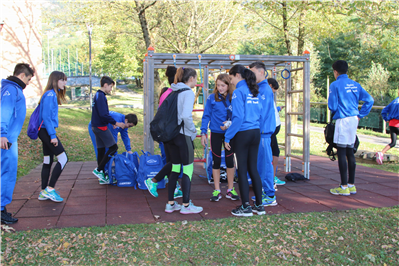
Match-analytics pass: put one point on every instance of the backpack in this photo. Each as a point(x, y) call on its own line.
point(294, 177)
point(329, 136)
point(34, 125)
point(164, 126)
point(123, 170)
point(149, 167)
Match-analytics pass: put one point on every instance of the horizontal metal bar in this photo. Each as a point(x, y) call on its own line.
point(294, 113)
point(296, 69)
point(295, 156)
point(294, 135)
point(297, 91)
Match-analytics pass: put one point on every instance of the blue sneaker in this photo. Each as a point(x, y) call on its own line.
point(178, 194)
point(278, 182)
point(152, 187)
point(267, 201)
point(41, 197)
point(253, 198)
point(53, 195)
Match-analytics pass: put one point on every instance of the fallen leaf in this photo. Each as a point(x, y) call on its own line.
point(370, 257)
point(66, 245)
point(340, 238)
point(296, 254)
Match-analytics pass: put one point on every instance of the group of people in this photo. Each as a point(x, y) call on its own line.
point(240, 113)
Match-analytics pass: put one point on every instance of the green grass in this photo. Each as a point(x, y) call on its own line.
point(356, 237)
point(134, 88)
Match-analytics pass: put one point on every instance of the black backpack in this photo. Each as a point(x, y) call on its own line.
point(164, 126)
point(295, 177)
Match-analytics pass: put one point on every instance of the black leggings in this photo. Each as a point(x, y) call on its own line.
point(217, 140)
point(181, 151)
point(394, 131)
point(167, 168)
point(49, 150)
point(343, 155)
point(103, 157)
point(246, 145)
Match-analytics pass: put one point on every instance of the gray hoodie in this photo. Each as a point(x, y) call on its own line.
point(185, 103)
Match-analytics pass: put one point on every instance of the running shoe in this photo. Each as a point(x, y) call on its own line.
point(104, 180)
point(379, 157)
point(278, 182)
point(216, 195)
point(41, 196)
point(267, 201)
point(99, 174)
point(178, 194)
point(352, 190)
point(232, 194)
point(253, 198)
point(190, 209)
point(242, 211)
point(171, 208)
point(52, 195)
point(151, 186)
point(260, 210)
point(340, 191)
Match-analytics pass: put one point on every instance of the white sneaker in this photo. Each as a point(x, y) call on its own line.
point(379, 157)
point(190, 209)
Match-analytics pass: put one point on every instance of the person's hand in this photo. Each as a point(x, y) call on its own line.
point(226, 125)
point(130, 152)
point(4, 144)
point(204, 140)
point(119, 124)
point(227, 145)
point(223, 127)
point(54, 142)
point(282, 107)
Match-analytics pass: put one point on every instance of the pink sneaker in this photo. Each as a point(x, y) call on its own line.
point(379, 157)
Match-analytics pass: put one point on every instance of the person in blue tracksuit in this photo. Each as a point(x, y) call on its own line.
point(129, 120)
point(53, 95)
point(343, 102)
point(267, 123)
point(390, 113)
point(245, 135)
point(216, 114)
point(13, 112)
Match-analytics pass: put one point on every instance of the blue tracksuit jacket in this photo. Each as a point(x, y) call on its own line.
point(100, 116)
point(268, 116)
point(215, 114)
point(344, 98)
point(13, 110)
point(391, 111)
point(246, 111)
point(49, 112)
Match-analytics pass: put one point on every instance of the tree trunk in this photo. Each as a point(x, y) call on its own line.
point(285, 28)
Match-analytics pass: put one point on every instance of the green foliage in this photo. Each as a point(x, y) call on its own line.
point(377, 83)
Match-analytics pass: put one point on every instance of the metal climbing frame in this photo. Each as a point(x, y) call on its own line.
point(275, 64)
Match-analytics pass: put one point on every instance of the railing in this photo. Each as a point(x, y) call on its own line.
point(321, 114)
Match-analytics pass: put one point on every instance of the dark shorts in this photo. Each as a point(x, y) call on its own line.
point(274, 143)
point(104, 139)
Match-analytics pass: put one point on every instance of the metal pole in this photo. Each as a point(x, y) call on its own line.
point(90, 28)
point(77, 62)
point(48, 52)
point(306, 118)
point(69, 65)
point(149, 99)
point(288, 109)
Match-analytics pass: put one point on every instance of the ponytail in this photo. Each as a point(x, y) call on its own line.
point(183, 74)
point(249, 77)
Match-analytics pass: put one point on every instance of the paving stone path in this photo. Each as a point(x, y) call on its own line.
point(86, 203)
